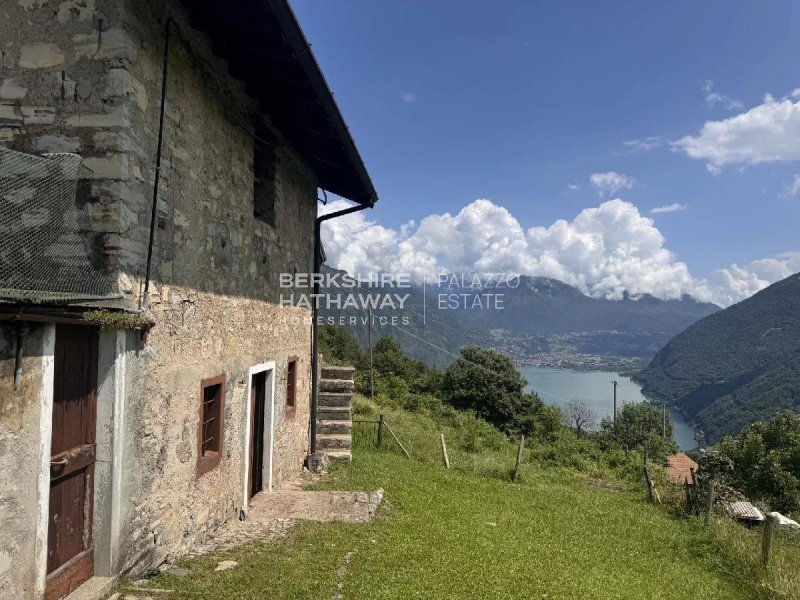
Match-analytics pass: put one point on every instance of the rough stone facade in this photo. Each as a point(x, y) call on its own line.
point(84, 76)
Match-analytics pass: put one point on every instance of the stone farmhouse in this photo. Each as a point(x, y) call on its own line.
point(160, 162)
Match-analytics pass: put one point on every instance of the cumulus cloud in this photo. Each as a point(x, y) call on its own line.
point(669, 208)
point(769, 132)
point(736, 283)
point(793, 189)
point(605, 251)
point(610, 182)
point(715, 98)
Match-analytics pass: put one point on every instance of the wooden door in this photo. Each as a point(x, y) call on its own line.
point(259, 398)
point(70, 556)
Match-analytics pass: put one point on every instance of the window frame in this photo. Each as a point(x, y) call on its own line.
point(290, 402)
point(208, 461)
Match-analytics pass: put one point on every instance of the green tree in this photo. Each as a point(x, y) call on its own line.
point(641, 426)
point(339, 348)
point(489, 384)
point(766, 461)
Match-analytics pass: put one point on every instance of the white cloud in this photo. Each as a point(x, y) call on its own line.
point(645, 144)
point(793, 189)
point(574, 186)
point(610, 182)
point(769, 132)
point(715, 98)
point(604, 251)
point(736, 283)
point(409, 97)
point(669, 208)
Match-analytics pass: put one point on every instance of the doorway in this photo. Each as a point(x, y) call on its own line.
point(260, 438)
point(70, 552)
point(259, 398)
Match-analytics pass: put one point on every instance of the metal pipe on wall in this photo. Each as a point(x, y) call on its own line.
point(314, 312)
point(154, 209)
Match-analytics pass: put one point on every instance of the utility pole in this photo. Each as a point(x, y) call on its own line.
point(369, 338)
point(615, 406)
point(664, 433)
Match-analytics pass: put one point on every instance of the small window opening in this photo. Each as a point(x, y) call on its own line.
point(211, 430)
point(291, 385)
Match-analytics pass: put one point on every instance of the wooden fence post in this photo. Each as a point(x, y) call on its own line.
point(444, 452)
point(519, 459)
point(651, 488)
point(389, 429)
point(710, 500)
point(380, 431)
point(766, 542)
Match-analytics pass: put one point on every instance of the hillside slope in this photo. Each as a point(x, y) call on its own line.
point(735, 367)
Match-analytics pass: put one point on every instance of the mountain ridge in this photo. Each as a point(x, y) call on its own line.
point(734, 367)
point(539, 318)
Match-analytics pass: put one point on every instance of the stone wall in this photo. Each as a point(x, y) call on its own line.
point(215, 284)
point(203, 335)
point(19, 454)
point(84, 76)
point(61, 66)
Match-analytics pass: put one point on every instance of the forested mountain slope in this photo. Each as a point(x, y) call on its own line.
point(734, 367)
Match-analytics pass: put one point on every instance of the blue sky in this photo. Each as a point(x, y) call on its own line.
point(519, 102)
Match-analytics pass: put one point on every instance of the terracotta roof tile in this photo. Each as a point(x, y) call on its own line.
point(680, 467)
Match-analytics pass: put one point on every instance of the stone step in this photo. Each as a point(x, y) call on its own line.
point(336, 385)
point(332, 372)
point(328, 426)
point(344, 455)
point(333, 399)
point(333, 441)
point(334, 413)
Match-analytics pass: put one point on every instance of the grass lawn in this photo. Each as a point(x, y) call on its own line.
point(455, 534)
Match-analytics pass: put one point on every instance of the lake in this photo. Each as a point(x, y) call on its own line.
point(560, 386)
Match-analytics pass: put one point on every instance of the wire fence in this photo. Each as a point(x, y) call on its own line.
point(365, 434)
point(371, 434)
point(46, 246)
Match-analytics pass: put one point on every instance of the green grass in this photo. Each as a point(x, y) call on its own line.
point(457, 535)
point(470, 533)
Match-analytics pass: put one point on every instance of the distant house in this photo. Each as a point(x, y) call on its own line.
point(680, 467)
point(129, 433)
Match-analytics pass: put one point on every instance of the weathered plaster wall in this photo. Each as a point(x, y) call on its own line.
point(19, 459)
point(202, 335)
point(93, 69)
point(216, 281)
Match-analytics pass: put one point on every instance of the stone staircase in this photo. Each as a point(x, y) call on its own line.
point(334, 412)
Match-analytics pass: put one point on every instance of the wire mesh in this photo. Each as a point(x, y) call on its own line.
point(46, 253)
point(364, 434)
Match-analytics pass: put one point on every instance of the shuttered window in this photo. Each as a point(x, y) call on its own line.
point(211, 430)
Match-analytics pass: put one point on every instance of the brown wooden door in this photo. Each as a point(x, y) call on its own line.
point(259, 388)
point(70, 556)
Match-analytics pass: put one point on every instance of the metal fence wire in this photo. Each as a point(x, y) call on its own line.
point(365, 434)
point(46, 251)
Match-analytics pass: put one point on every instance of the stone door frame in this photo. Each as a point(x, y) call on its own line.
point(270, 428)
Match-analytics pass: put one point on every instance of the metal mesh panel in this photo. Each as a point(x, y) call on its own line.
point(45, 253)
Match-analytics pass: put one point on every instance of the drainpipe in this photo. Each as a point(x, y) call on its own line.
point(314, 312)
point(154, 209)
point(20, 339)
